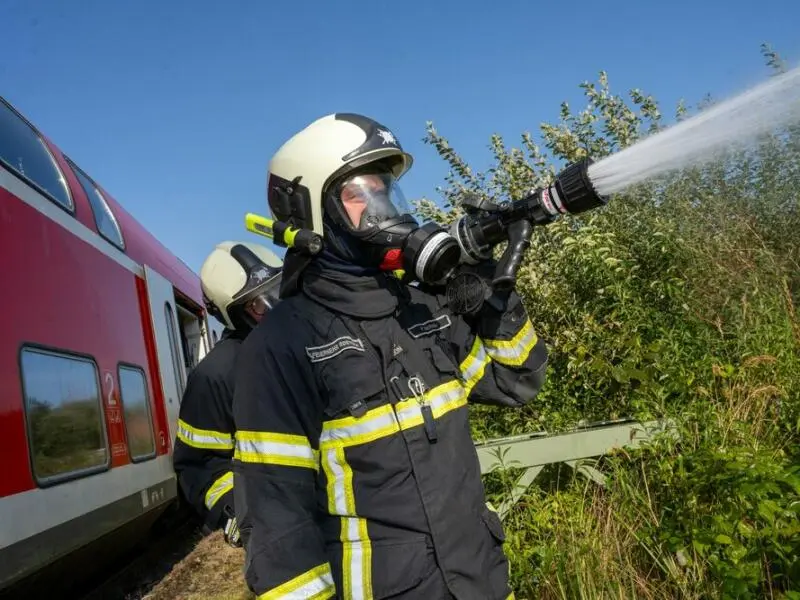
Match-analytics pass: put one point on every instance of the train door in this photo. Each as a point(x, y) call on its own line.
point(205, 338)
point(164, 317)
point(193, 337)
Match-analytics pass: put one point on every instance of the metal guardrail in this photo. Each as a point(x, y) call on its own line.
point(532, 452)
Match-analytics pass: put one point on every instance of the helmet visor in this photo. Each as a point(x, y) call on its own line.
point(265, 296)
point(367, 200)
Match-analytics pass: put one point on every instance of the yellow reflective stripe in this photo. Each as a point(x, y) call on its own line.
point(205, 439)
point(356, 545)
point(219, 488)
point(316, 584)
point(442, 399)
point(339, 434)
point(350, 431)
point(474, 365)
point(275, 449)
point(384, 421)
point(515, 351)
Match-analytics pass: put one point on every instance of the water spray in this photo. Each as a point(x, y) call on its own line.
point(587, 185)
point(704, 137)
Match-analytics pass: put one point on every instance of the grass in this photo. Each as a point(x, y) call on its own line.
point(212, 571)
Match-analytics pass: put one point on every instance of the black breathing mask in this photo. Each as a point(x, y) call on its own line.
point(369, 207)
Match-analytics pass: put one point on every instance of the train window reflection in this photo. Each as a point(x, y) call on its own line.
point(63, 408)
point(24, 152)
point(138, 419)
point(105, 220)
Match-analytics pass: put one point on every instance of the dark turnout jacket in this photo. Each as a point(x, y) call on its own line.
point(356, 476)
point(205, 441)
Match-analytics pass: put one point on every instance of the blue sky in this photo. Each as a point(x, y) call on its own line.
point(175, 107)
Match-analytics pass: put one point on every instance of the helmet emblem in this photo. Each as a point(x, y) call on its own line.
point(259, 275)
point(387, 137)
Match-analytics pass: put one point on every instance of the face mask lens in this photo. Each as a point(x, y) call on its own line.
point(371, 199)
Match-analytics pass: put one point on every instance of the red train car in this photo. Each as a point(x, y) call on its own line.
point(99, 326)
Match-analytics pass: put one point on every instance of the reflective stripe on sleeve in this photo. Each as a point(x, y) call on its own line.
point(205, 439)
point(275, 449)
point(474, 365)
point(218, 489)
point(316, 584)
point(515, 351)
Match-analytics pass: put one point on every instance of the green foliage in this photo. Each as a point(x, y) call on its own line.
point(678, 299)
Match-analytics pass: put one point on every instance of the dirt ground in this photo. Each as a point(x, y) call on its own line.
point(212, 571)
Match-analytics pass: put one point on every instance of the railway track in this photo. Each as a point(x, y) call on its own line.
point(144, 566)
point(127, 575)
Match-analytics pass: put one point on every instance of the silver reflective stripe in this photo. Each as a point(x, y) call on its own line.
point(204, 438)
point(337, 472)
point(275, 448)
point(515, 351)
point(218, 489)
point(442, 399)
point(316, 583)
point(356, 546)
point(377, 423)
point(474, 366)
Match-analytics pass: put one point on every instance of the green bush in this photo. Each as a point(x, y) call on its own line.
point(676, 300)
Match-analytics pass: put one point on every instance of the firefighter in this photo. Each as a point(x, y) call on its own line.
point(355, 473)
point(240, 283)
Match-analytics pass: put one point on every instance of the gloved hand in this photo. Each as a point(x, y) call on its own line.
point(230, 528)
point(470, 292)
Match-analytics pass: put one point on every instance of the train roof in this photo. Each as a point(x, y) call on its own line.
point(140, 245)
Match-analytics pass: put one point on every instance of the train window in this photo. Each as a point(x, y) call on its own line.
point(103, 217)
point(136, 408)
point(66, 431)
point(24, 153)
point(191, 335)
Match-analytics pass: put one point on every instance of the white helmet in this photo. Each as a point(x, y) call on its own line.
point(304, 168)
point(234, 274)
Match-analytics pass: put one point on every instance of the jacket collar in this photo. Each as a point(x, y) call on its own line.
point(368, 296)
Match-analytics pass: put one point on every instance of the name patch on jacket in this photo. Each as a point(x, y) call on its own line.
point(334, 348)
point(429, 327)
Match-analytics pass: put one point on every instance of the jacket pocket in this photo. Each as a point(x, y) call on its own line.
point(398, 567)
point(493, 523)
point(352, 391)
point(442, 362)
point(497, 564)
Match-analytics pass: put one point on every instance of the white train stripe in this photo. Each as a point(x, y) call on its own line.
point(28, 513)
point(47, 207)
